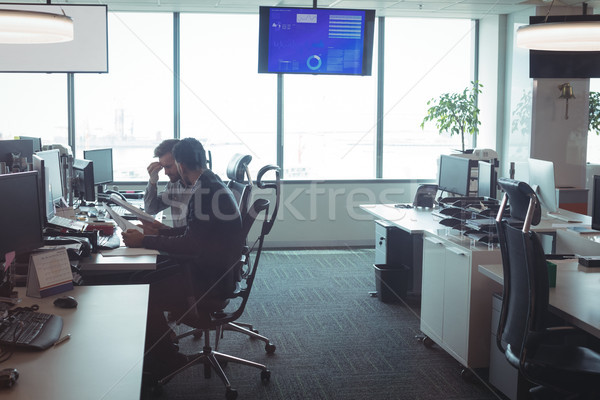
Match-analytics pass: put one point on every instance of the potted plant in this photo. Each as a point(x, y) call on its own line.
point(594, 118)
point(455, 113)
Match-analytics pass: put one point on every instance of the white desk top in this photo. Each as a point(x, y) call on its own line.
point(103, 358)
point(419, 220)
point(412, 220)
point(575, 294)
point(98, 263)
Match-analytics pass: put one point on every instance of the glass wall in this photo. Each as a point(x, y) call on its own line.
point(42, 95)
point(421, 64)
point(131, 108)
point(225, 102)
point(329, 122)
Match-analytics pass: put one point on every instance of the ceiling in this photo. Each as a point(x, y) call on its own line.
point(475, 9)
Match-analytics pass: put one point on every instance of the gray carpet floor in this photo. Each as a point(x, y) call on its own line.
point(333, 340)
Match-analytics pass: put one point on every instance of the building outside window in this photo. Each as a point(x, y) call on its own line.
point(131, 108)
point(41, 95)
point(421, 64)
point(225, 102)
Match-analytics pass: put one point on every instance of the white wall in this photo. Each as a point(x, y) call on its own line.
point(327, 213)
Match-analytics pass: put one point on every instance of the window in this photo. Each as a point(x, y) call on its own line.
point(131, 108)
point(421, 64)
point(225, 102)
point(42, 95)
point(593, 144)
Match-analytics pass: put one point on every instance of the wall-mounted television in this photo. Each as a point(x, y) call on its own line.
point(315, 41)
point(87, 52)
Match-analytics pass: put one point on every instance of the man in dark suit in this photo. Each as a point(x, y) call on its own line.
point(210, 244)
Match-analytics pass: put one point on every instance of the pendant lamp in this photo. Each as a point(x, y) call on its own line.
point(571, 33)
point(22, 27)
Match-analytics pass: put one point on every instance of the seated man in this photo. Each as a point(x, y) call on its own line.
point(176, 194)
point(210, 243)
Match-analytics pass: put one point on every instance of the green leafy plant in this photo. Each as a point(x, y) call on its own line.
point(455, 113)
point(594, 118)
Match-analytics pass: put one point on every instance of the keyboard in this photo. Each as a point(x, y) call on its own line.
point(123, 212)
point(109, 242)
point(30, 329)
point(67, 223)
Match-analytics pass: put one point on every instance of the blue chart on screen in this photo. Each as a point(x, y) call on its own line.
point(316, 40)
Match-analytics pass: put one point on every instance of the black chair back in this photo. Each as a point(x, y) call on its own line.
point(526, 290)
point(240, 182)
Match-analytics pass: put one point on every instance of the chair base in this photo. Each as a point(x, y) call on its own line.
point(212, 360)
point(246, 329)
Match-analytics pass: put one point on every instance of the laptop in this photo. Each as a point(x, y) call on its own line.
point(63, 222)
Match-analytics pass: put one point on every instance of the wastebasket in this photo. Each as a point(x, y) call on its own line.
point(391, 282)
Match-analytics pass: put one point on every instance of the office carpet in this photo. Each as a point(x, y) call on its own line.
point(333, 340)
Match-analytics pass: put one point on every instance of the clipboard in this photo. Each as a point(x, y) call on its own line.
point(49, 273)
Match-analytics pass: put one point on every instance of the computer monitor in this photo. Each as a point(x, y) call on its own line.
point(541, 179)
point(40, 166)
point(20, 216)
point(455, 174)
point(11, 149)
point(37, 142)
point(103, 166)
point(486, 179)
point(596, 203)
point(54, 187)
point(83, 174)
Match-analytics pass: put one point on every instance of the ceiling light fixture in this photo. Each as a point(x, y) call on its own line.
point(560, 36)
point(21, 27)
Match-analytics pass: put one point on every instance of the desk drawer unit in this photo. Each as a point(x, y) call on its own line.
point(396, 248)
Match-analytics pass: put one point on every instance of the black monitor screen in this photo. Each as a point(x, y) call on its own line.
point(455, 175)
point(20, 216)
point(37, 142)
point(10, 150)
point(83, 171)
point(54, 189)
point(596, 204)
point(103, 164)
point(486, 179)
point(316, 41)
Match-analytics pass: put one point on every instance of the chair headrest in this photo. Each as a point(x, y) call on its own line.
point(519, 196)
point(237, 167)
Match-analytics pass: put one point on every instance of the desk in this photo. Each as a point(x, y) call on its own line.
point(98, 263)
point(103, 358)
point(574, 297)
point(456, 299)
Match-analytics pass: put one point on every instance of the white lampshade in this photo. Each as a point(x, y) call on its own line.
point(560, 36)
point(19, 27)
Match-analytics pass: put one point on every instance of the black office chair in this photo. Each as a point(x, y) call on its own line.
point(244, 195)
point(524, 334)
point(240, 182)
point(208, 314)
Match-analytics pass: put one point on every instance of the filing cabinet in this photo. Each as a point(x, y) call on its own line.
point(398, 249)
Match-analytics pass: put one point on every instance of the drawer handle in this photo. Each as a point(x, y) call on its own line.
point(434, 241)
point(457, 251)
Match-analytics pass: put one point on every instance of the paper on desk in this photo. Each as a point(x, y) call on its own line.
point(128, 251)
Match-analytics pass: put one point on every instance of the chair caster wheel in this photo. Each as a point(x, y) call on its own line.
point(427, 342)
point(231, 394)
point(467, 375)
point(265, 375)
point(197, 334)
point(270, 348)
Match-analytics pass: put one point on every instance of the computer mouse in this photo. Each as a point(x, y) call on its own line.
point(66, 302)
point(8, 377)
